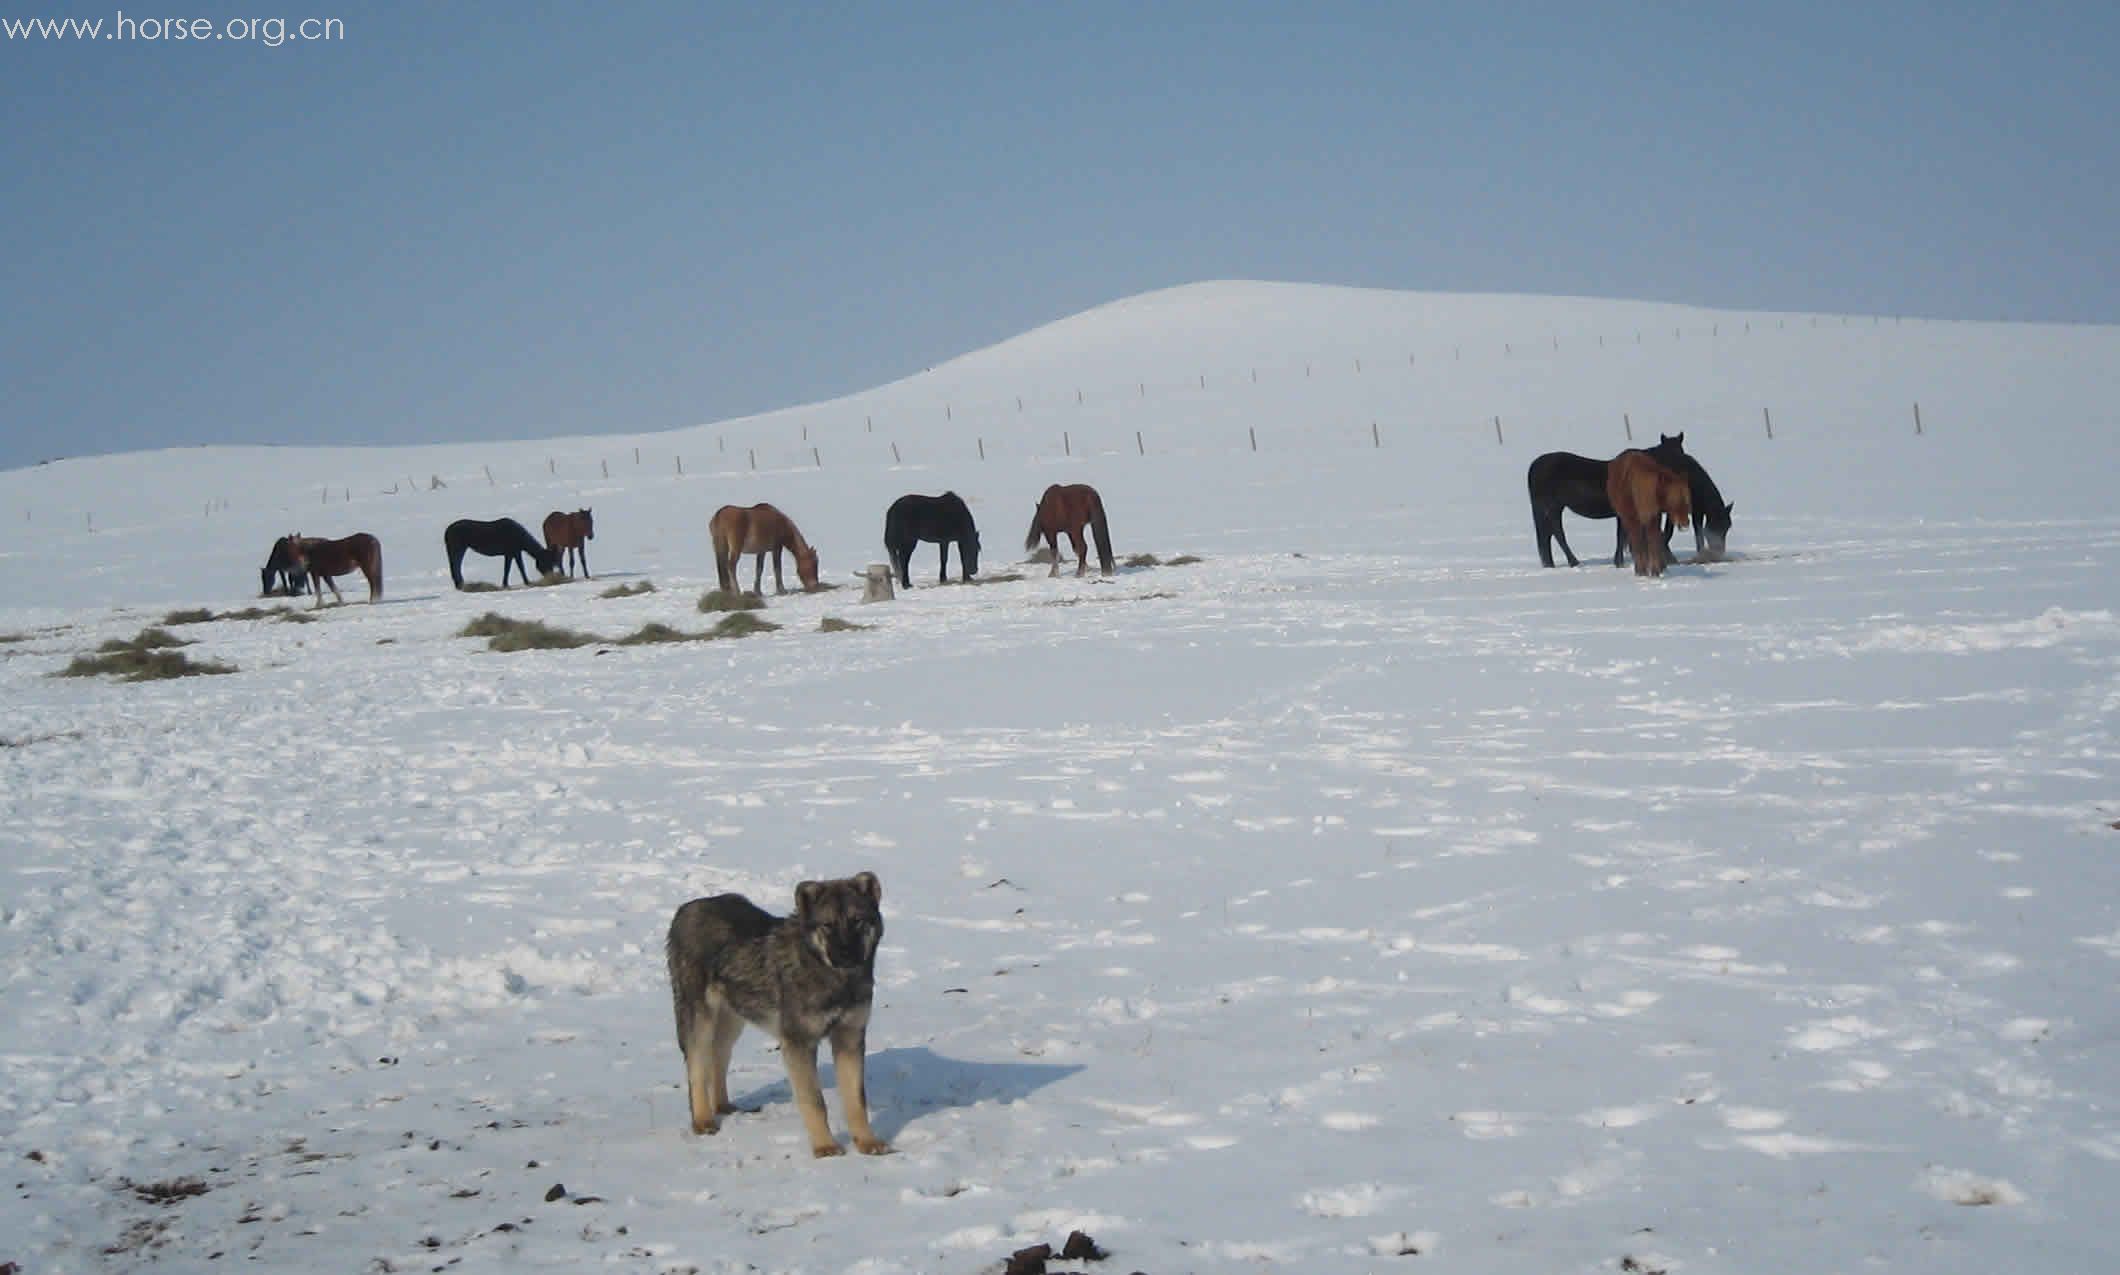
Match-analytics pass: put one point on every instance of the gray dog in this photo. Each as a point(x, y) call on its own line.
point(804, 978)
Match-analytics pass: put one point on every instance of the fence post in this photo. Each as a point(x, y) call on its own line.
point(1769, 418)
point(872, 423)
point(551, 465)
point(1254, 437)
point(680, 466)
point(489, 474)
point(1067, 444)
point(815, 457)
point(1917, 418)
point(894, 453)
point(1498, 431)
point(1628, 421)
point(1138, 446)
point(723, 441)
point(607, 469)
point(1375, 439)
point(947, 414)
point(982, 447)
point(636, 455)
point(325, 494)
point(754, 459)
point(1358, 367)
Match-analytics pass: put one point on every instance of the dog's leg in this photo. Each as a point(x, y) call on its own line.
point(801, 1058)
point(700, 1072)
point(728, 1025)
point(849, 1058)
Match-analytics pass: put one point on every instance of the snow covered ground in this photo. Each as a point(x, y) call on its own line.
point(1360, 898)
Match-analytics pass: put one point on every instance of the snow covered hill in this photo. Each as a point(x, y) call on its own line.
point(1360, 898)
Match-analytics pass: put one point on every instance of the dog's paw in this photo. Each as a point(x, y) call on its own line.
point(872, 1146)
point(825, 1149)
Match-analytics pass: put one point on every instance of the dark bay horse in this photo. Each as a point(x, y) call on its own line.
point(1067, 509)
point(943, 519)
point(501, 538)
point(1641, 491)
point(761, 529)
point(1711, 514)
point(566, 535)
point(1564, 480)
point(323, 559)
point(281, 575)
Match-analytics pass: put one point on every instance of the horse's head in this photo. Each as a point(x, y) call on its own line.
point(968, 549)
point(1676, 442)
point(588, 523)
point(1716, 533)
point(806, 566)
point(547, 559)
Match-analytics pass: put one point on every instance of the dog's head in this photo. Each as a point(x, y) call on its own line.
point(841, 920)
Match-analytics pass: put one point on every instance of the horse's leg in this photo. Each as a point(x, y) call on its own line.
point(1621, 545)
point(1543, 536)
point(1052, 551)
point(779, 586)
point(581, 551)
point(1074, 537)
point(1560, 536)
point(946, 562)
point(758, 577)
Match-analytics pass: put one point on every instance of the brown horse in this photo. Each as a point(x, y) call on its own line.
point(1068, 509)
point(323, 559)
point(567, 534)
point(1642, 492)
point(760, 529)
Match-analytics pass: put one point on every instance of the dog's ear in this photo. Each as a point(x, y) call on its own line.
point(806, 898)
point(867, 883)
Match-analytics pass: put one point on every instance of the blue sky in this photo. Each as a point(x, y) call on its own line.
point(506, 221)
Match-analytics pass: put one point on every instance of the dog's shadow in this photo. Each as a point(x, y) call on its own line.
point(907, 1083)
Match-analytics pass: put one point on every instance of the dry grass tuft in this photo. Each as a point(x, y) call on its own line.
point(651, 634)
point(632, 590)
point(723, 600)
point(505, 634)
point(141, 665)
point(833, 624)
point(739, 624)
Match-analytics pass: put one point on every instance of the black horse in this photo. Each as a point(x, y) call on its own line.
point(1711, 516)
point(282, 574)
point(943, 518)
point(500, 538)
point(1564, 480)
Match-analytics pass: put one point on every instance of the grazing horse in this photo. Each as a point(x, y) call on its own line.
point(281, 575)
point(323, 559)
point(761, 529)
point(567, 534)
point(1640, 491)
point(942, 519)
point(1564, 480)
point(1067, 509)
point(501, 538)
point(1711, 514)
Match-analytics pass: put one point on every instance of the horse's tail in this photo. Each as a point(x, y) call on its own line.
point(374, 568)
point(453, 543)
point(1102, 531)
point(724, 560)
point(1030, 540)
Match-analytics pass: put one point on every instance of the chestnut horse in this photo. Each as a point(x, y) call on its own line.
point(1642, 492)
point(566, 534)
point(1067, 509)
point(760, 529)
point(323, 559)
